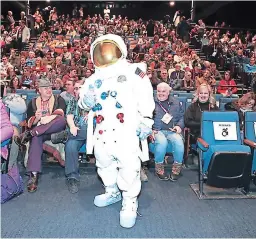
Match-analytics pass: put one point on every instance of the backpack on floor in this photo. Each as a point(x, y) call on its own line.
point(11, 184)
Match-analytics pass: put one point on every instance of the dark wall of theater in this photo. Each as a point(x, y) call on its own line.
point(236, 14)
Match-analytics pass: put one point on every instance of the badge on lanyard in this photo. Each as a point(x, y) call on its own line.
point(167, 118)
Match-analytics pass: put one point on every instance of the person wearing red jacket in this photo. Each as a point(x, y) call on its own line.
point(227, 86)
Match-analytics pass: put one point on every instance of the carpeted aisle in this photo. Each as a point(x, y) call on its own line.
point(168, 210)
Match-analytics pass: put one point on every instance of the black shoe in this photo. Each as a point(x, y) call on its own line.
point(72, 185)
point(32, 183)
point(174, 177)
point(23, 138)
point(60, 137)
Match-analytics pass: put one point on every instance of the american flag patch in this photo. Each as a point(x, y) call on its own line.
point(139, 72)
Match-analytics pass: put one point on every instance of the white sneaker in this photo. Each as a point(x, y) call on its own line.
point(111, 196)
point(128, 213)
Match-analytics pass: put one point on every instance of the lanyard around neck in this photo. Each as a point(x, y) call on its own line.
point(166, 111)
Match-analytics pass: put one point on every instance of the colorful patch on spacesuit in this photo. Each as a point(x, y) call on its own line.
point(113, 94)
point(98, 83)
point(139, 72)
point(121, 78)
point(97, 107)
point(91, 87)
point(104, 95)
point(118, 105)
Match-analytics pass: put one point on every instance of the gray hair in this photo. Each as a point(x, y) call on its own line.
point(164, 85)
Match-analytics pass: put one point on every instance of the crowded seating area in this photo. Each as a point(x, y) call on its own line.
point(204, 77)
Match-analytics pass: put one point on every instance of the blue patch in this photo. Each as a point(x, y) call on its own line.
point(91, 87)
point(99, 107)
point(104, 95)
point(98, 83)
point(118, 105)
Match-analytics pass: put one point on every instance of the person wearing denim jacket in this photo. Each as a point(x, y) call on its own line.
point(77, 133)
point(167, 132)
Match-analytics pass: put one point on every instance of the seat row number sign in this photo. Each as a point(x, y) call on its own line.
point(225, 130)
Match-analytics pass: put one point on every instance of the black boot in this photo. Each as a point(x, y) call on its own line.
point(73, 185)
point(60, 137)
point(23, 138)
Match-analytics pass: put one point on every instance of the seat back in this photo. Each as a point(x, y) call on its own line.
point(250, 133)
point(221, 128)
point(24, 91)
point(250, 126)
point(227, 162)
point(183, 101)
point(217, 98)
point(223, 101)
point(187, 95)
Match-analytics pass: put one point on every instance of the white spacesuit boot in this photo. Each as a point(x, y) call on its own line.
point(128, 213)
point(111, 196)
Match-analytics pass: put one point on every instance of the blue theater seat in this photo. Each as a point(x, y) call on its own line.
point(224, 161)
point(187, 95)
point(250, 138)
point(224, 101)
point(83, 149)
point(183, 101)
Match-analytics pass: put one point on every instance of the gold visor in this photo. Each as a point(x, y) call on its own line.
point(106, 53)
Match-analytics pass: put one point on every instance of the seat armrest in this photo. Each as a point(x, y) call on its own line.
point(202, 144)
point(250, 143)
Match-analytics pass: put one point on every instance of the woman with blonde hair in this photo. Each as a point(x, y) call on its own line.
point(203, 101)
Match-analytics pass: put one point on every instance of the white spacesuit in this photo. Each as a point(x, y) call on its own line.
point(121, 95)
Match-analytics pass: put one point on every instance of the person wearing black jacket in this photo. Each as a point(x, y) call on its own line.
point(203, 101)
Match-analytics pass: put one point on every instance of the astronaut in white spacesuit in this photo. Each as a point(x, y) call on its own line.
point(121, 95)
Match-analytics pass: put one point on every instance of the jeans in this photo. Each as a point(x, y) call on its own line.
point(167, 142)
point(72, 148)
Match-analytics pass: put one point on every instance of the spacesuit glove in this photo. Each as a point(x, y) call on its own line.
point(89, 100)
point(143, 131)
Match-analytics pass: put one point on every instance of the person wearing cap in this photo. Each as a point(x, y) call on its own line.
point(45, 116)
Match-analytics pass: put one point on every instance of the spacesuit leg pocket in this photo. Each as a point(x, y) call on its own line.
point(106, 166)
point(128, 179)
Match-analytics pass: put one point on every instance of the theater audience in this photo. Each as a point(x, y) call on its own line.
point(167, 132)
point(65, 60)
